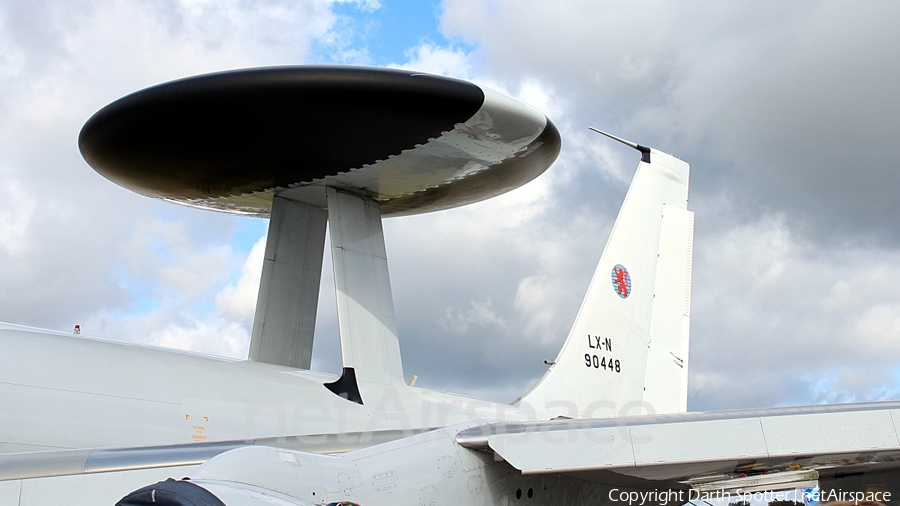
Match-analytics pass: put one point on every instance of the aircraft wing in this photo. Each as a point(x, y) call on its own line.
point(762, 449)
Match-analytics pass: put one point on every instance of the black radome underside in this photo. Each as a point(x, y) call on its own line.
point(252, 130)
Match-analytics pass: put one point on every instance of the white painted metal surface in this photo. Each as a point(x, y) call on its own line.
point(362, 284)
point(61, 391)
point(836, 432)
point(679, 447)
point(667, 361)
point(555, 462)
point(285, 321)
point(240, 494)
point(426, 469)
point(82, 490)
point(626, 353)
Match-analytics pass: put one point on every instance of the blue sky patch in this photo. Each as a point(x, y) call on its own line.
point(382, 36)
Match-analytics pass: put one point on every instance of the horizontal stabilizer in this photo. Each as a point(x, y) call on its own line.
point(782, 447)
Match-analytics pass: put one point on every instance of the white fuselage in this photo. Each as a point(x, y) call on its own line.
point(61, 391)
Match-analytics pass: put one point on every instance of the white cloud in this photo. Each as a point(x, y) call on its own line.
point(176, 258)
point(364, 5)
point(179, 315)
point(782, 310)
point(481, 314)
point(237, 302)
point(452, 62)
point(214, 337)
point(793, 99)
point(785, 111)
point(16, 209)
point(77, 249)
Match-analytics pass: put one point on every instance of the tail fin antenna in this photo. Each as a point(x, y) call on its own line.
point(645, 151)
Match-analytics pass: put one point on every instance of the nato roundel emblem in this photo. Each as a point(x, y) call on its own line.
point(621, 281)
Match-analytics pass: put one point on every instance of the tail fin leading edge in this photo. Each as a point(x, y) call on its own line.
point(627, 352)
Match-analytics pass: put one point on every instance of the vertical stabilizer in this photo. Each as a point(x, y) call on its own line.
point(627, 352)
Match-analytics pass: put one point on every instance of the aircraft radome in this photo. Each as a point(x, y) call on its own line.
point(90, 421)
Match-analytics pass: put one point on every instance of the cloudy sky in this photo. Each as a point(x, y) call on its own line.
point(789, 113)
